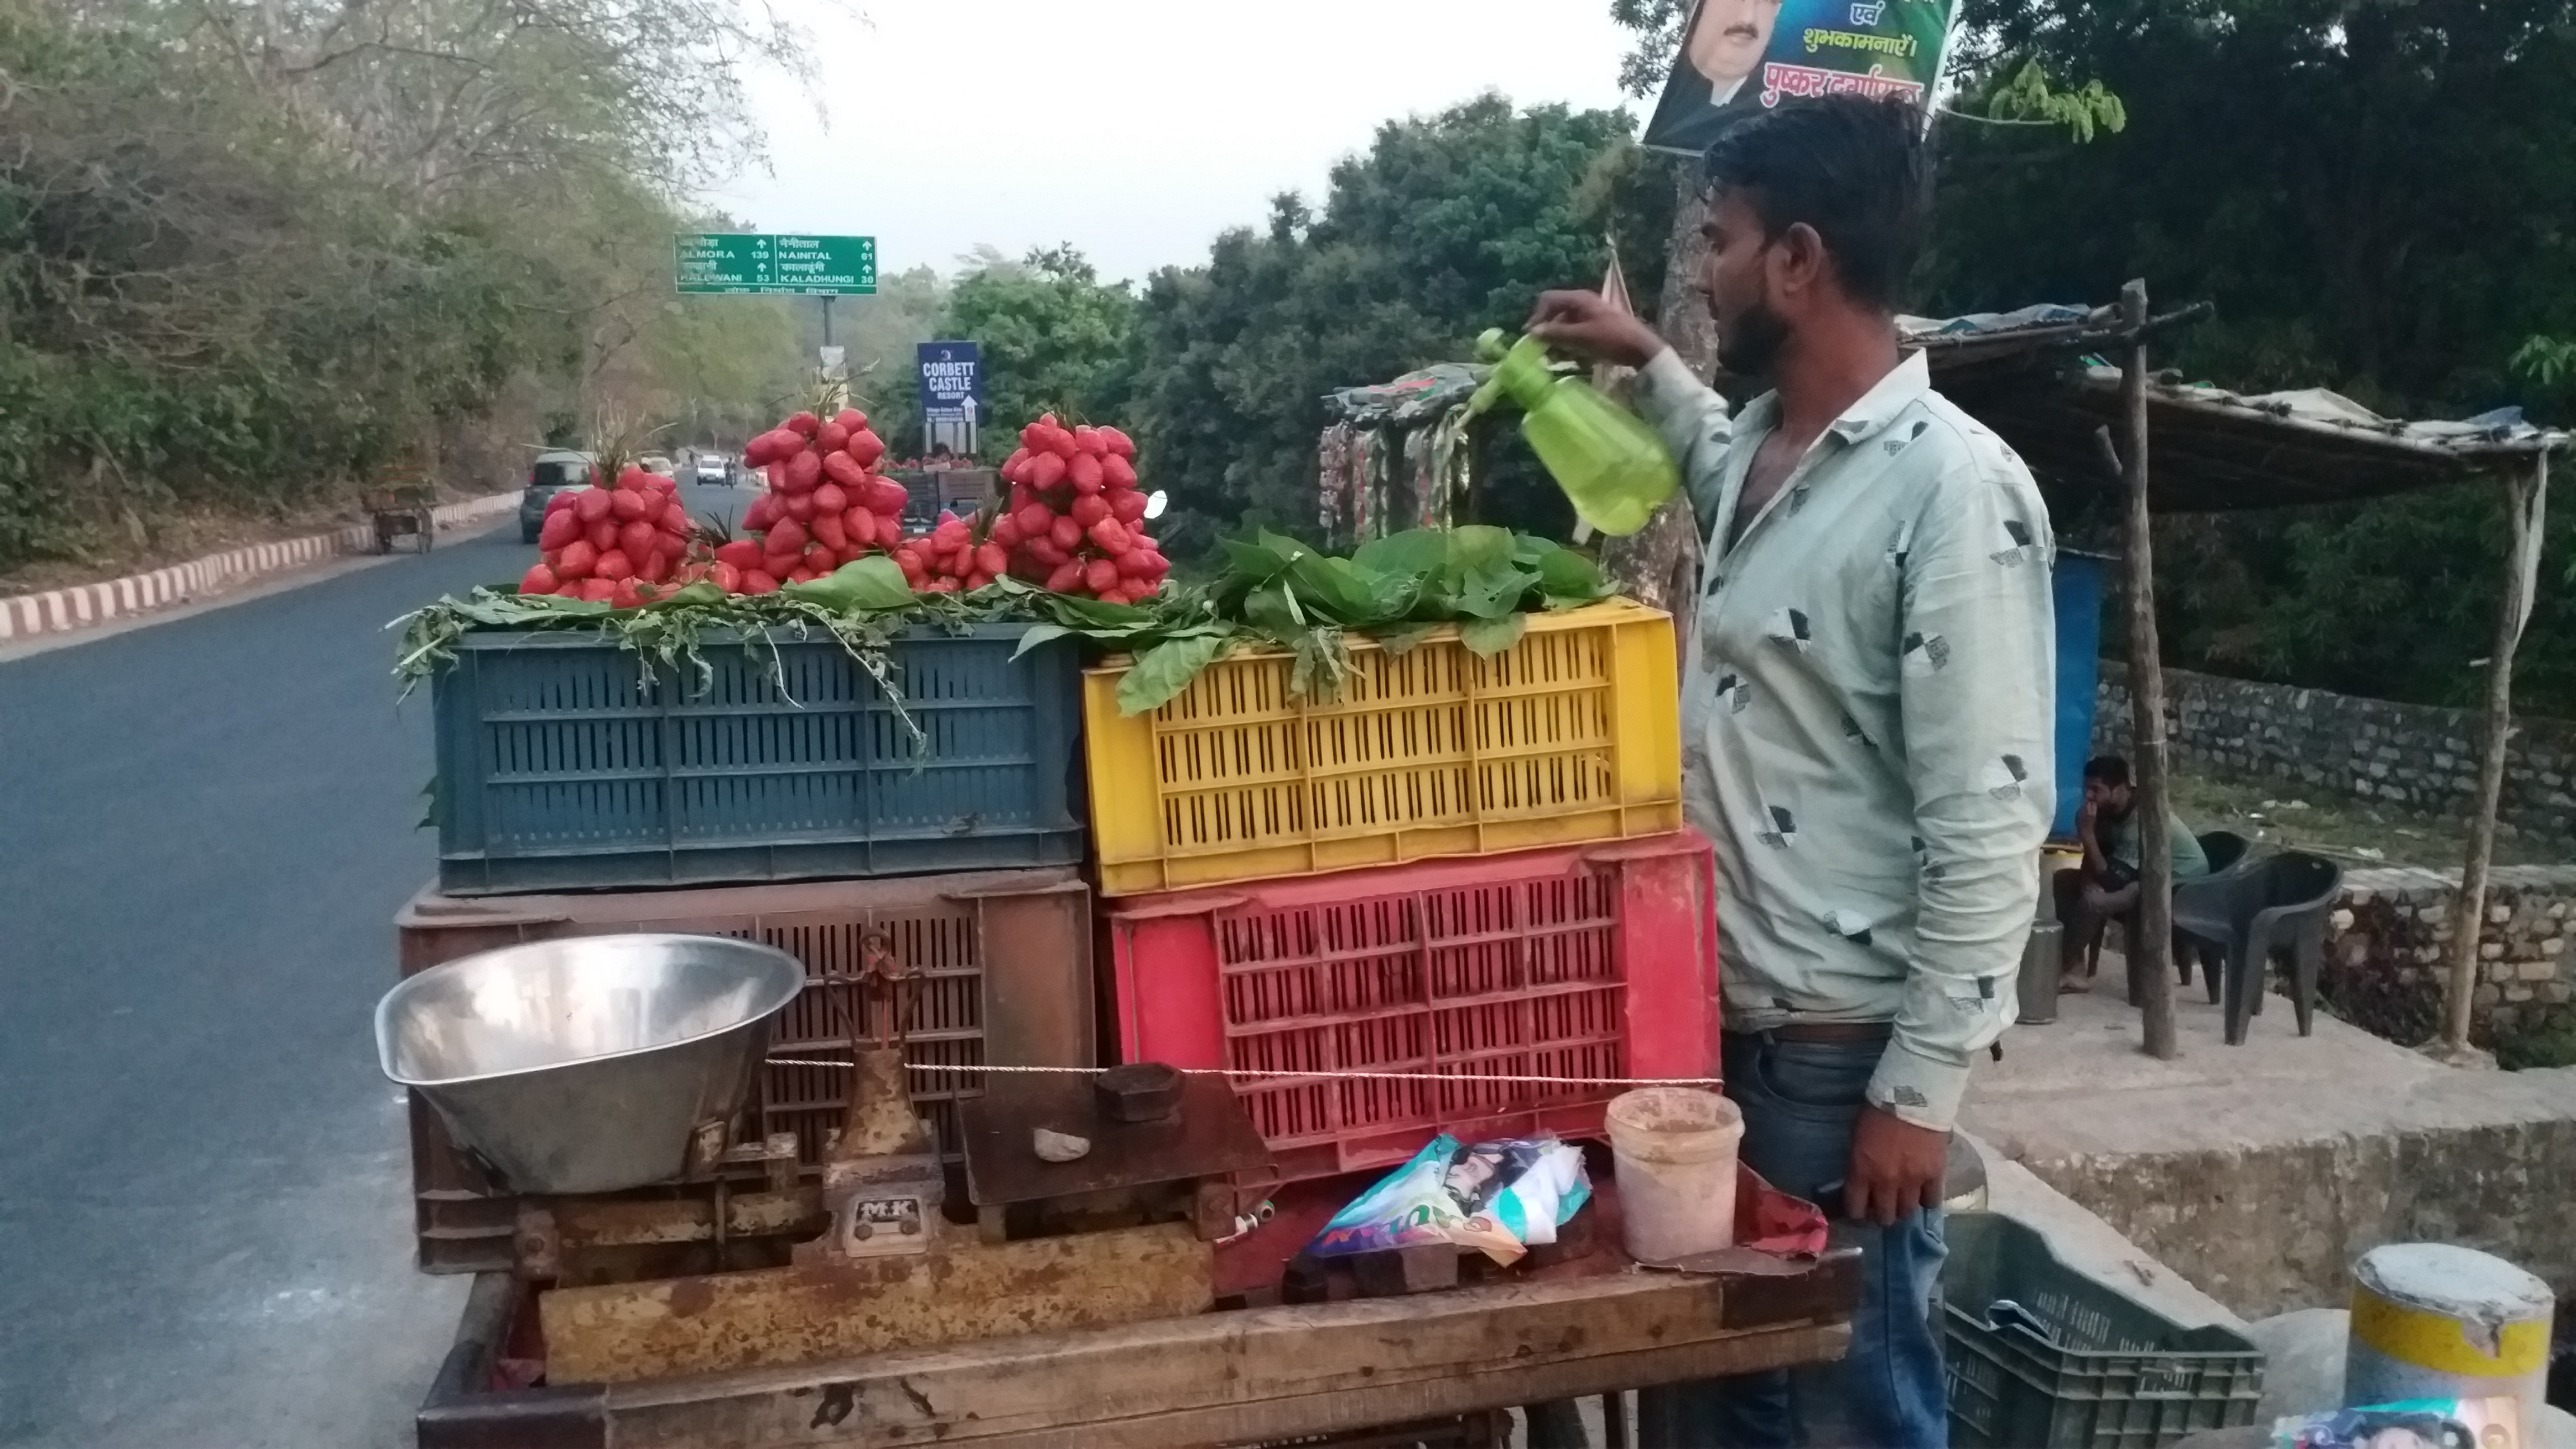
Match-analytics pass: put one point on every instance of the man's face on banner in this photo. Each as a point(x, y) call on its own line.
point(1728, 38)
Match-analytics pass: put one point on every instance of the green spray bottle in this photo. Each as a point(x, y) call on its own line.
point(1610, 464)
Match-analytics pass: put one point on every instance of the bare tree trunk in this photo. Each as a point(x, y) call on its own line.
point(1658, 565)
point(2151, 983)
point(2523, 500)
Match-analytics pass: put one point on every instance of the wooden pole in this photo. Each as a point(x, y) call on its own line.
point(2523, 499)
point(2150, 947)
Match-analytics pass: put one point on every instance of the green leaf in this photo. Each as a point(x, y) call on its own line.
point(1272, 608)
point(1487, 637)
point(1165, 670)
point(1416, 551)
point(697, 594)
point(1562, 573)
point(871, 583)
point(1493, 590)
point(1039, 634)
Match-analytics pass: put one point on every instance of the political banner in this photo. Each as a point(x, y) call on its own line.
point(1741, 56)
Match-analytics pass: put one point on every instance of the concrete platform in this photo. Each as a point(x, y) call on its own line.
point(2260, 1172)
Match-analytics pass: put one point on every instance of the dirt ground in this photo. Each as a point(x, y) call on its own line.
point(193, 534)
point(2289, 817)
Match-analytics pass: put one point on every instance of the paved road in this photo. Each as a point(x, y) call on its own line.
point(205, 829)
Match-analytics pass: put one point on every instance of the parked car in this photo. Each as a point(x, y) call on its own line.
point(550, 474)
point(658, 463)
point(714, 470)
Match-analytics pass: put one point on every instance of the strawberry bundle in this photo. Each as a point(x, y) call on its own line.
point(950, 558)
point(619, 544)
point(823, 507)
point(1076, 520)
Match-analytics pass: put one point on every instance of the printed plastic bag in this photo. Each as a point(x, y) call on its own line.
point(2491, 1423)
point(1500, 1197)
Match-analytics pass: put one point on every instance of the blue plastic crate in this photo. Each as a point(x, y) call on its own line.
point(562, 767)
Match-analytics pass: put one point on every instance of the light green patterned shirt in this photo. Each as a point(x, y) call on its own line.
point(1867, 721)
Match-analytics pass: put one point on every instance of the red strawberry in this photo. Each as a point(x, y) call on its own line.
point(539, 580)
point(942, 586)
point(803, 471)
point(850, 420)
point(845, 471)
point(803, 425)
point(1117, 472)
point(1100, 575)
point(1046, 551)
point(828, 498)
point(1088, 509)
point(1059, 441)
point(1087, 440)
point(991, 558)
point(787, 536)
point(1011, 465)
point(757, 582)
point(636, 539)
point(1066, 533)
point(1140, 563)
point(866, 447)
point(1043, 472)
point(675, 519)
point(830, 438)
point(726, 577)
point(827, 531)
point(633, 479)
point(657, 567)
point(1127, 505)
point(559, 500)
point(859, 526)
point(592, 504)
point(1110, 536)
point(597, 590)
point(668, 487)
point(1066, 577)
point(798, 506)
point(577, 560)
point(1120, 445)
point(742, 553)
point(1084, 470)
point(1005, 531)
point(602, 535)
point(613, 565)
point(561, 527)
point(887, 496)
point(1035, 520)
point(910, 562)
point(624, 596)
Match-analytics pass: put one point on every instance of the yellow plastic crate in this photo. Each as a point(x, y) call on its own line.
point(1572, 734)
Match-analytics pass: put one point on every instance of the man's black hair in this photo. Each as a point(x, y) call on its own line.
point(2109, 769)
point(1856, 170)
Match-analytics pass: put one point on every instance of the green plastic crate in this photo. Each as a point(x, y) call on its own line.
point(561, 767)
point(2109, 1373)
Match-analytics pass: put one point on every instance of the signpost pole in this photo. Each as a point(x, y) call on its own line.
point(827, 319)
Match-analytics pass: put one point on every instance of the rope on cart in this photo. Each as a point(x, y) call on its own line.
point(1279, 1075)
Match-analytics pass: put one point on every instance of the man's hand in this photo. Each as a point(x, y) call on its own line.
point(1588, 327)
point(1896, 1167)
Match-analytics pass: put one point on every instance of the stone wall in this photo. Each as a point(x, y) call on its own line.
point(2387, 943)
point(2406, 755)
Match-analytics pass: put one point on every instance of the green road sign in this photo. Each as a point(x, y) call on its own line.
point(761, 264)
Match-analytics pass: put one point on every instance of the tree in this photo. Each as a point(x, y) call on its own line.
point(1448, 225)
point(1054, 338)
point(2379, 200)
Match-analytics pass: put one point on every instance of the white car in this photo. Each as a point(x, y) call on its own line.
point(712, 470)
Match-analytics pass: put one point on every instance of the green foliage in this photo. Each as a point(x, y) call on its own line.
point(2380, 200)
point(2024, 95)
point(1448, 225)
point(1054, 338)
point(249, 255)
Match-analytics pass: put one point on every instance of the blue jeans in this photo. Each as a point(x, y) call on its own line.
point(1800, 1102)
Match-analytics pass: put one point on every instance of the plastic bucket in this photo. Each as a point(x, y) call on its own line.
point(1674, 1149)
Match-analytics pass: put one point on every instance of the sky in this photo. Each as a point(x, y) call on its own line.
point(1134, 129)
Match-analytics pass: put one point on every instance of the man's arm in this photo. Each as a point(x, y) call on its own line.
point(1689, 415)
point(1977, 681)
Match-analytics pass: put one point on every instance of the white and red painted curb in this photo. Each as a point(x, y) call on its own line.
point(60, 611)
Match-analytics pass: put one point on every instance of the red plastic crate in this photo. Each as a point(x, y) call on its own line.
point(1575, 961)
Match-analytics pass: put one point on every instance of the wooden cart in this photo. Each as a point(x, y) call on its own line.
point(1238, 1376)
point(403, 512)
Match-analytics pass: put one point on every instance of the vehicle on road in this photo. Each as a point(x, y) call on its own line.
point(658, 463)
point(550, 474)
point(713, 470)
